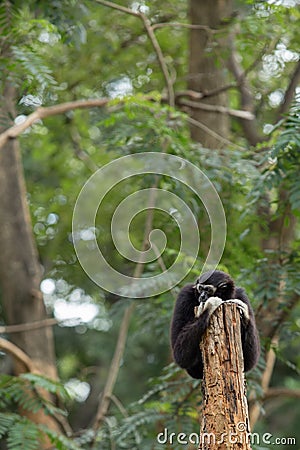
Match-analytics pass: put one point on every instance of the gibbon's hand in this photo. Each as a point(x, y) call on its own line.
point(194, 305)
point(211, 304)
point(244, 310)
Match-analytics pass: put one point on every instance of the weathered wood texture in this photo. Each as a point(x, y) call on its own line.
point(225, 423)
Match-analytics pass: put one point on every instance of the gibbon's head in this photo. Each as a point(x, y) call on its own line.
point(215, 284)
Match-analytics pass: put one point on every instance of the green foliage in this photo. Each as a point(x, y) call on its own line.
point(21, 433)
point(34, 67)
point(280, 173)
point(66, 50)
point(26, 393)
point(59, 441)
point(285, 157)
point(167, 402)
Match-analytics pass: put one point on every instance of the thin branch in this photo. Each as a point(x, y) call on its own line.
point(185, 398)
point(114, 368)
point(225, 141)
point(25, 360)
point(270, 317)
point(80, 153)
point(269, 394)
point(149, 29)
point(43, 112)
point(184, 25)
point(204, 94)
point(118, 7)
point(255, 410)
point(219, 90)
point(18, 354)
point(161, 60)
point(213, 92)
point(189, 93)
point(119, 405)
point(270, 363)
point(48, 111)
point(121, 341)
point(163, 267)
point(246, 115)
point(250, 127)
point(281, 392)
point(290, 92)
point(28, 326)
point(267, 48)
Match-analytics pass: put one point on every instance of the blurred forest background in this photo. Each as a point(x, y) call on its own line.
point(212, 82)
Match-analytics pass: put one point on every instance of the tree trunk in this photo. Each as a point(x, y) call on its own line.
point(20, 271)
point(225, 423)
point(206, 71)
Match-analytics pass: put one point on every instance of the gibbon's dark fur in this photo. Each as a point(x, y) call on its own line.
point(187, 330)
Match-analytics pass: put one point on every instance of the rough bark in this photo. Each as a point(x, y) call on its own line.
point(20, 271)
point(204, 74)
point(225, 422)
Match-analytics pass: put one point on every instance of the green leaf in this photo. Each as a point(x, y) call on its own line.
point(24, 435)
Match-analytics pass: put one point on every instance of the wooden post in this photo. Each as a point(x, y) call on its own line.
point(225, 422)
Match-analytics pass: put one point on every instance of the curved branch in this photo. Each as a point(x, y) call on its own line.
point(47, 111)
point(290, 92)
point(184, 25)
point(114, 368)
point(122, 336)
point(43, 112)
point(220, 138)
point(150, 32)
point(161, 59)
point(246, 115)
point(281, 392)
point(17, 354)
point(118, 7)
point(255, 409)
point(247, 104)
point(204, 94)
point(269, 318)
point(28, 326)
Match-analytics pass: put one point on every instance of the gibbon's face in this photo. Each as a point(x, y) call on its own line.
point(205, 291)
point(215, 284)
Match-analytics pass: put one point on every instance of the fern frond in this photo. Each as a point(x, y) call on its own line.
point(59, 441)
point(7, 15)
point(26, 391)
point(6, 422)
point(24, 435)
point(20, 433)
point(51, 386)
point(33, 66)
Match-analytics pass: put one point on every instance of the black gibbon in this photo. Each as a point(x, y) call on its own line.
point(194, 306)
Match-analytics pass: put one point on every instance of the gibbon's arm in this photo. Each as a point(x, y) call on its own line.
point(194, 306)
